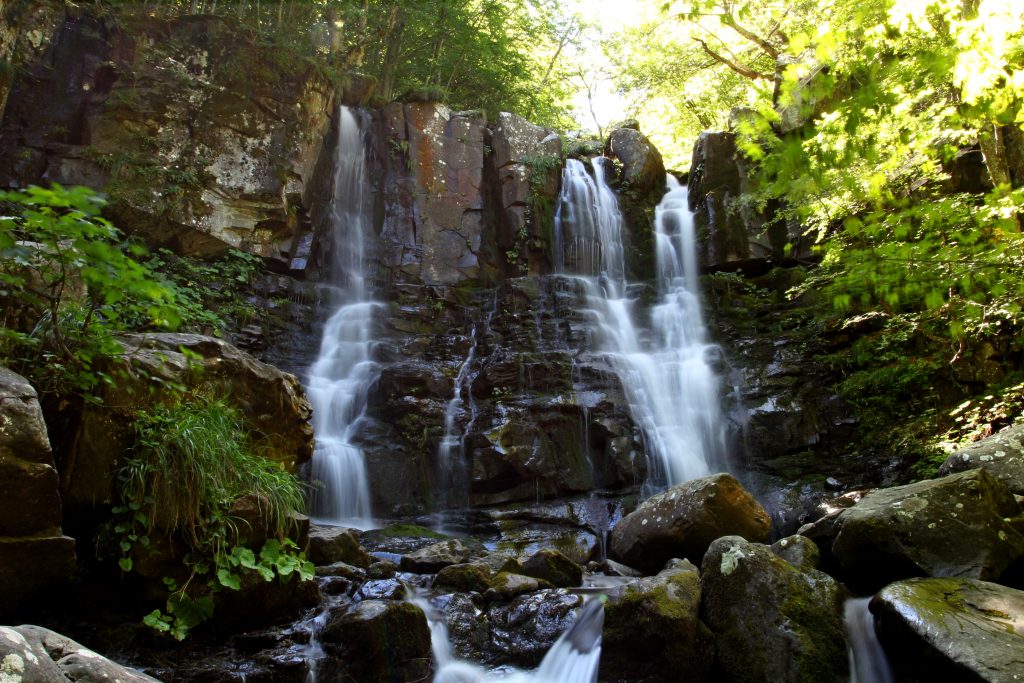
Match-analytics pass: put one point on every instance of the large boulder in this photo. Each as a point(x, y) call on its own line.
point(381, 641)
point(554, 567)
point(653, 628)
point(1001, 455)
point(642, 167)
point(332, 544)
point(958, 525)
point(525, 629)
point(684, 520)
point(436, 557)
point(37, 655)
point(33, 551)
point(203, 138)
point(772, 621)
point(272, 402)
point(952, 629)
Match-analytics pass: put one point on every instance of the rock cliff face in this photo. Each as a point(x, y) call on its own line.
point(203, 140)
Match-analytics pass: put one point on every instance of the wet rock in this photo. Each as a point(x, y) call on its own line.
point(400, 538)
point(642, 167)
point(272, 403)
point(381, 589)
point(37, 655)
point(463, 578)
point(799, 551)
point(553, 567)
point(952, 629)
point(436, 557)
point(381, 641)
point(524, 539)
point(507, 585)
point(33, 552)
point(468, 627)
point(685, 519)
point(652, 627)
point(954, 526)
point(772, 621)
point(342, 569)
point(331, 544)
point(525, 630)
point(1001, 455)
point(382, 570)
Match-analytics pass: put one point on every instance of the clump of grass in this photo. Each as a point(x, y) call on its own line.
point(193, 459)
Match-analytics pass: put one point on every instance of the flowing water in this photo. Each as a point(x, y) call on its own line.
point(341, 376)
point(868, 663)
point(664, 367)
point(574, 658)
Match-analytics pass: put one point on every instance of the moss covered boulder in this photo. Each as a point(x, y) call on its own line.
point(958, 525)
point(464, 578)
point(771, 620)
point(952, 629)
point(553, 567)
point(653, 628)
point(683, 521)
point(332, 544)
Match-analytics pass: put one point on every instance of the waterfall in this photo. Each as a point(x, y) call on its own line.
point(341, 376)
point(672, 389)
point(868, 663)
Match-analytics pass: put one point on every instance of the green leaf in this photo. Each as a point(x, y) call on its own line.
point(125, 563)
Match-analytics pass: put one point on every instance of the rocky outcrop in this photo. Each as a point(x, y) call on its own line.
point(732, 236)
point(26, 29)
point(1001, 455)
point(526, 166)
point(203, 139)
point(957, 526)
point(653, 628)
point(643, 171)
point(272, 402)
point(37, 655)
point(330, 545)
point(958, 629)
point(683, 521)
point(771, 620)
point(33, 551)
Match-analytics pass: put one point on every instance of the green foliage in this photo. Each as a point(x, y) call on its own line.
point(193, 459)
point(68, 284)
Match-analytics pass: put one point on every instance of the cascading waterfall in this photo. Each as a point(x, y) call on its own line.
point(868, 663)
point(672, 389)
point(341, 376)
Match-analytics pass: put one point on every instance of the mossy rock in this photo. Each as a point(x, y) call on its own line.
point(463, 578)
point(554, 567)
point(506, 585)
point(381, 641)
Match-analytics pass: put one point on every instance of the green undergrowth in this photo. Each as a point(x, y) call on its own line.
point(193, 460)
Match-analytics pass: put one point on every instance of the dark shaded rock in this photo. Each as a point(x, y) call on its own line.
point(553, 567)
point(772, 621)
point(331, 544)
point(652, 627)
point(468, 627)
point(33, 552)
point(35, 654)
point(435, 557)
point(381, 641)
point(272, 402)
point(463, 578)
point(642, 167)
point(382, 569)
point(1001, 455)
point(953, 526)
point(799, 551)
point(342, 569)
point(523, 631)
point(952, 629)
point(685, 519)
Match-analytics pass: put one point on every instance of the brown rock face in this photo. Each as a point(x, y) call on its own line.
point(271, 401)
point(33, 552)
point(684, 520)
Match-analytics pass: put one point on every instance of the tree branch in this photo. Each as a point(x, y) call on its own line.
point(741, 69)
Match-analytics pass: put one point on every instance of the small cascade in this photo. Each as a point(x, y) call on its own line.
point(664, 369)
point(341, 376)
point(574, 658)
point(868, 663)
